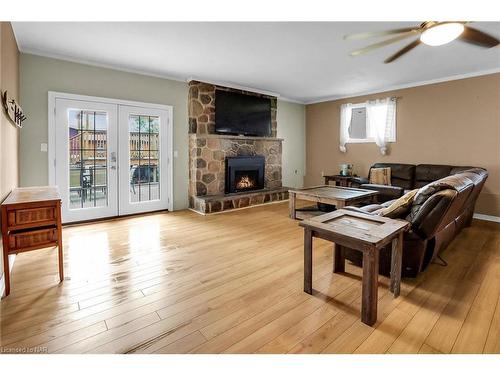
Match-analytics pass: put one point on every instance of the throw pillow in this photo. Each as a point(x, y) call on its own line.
point(380, 176)
point(400, 207)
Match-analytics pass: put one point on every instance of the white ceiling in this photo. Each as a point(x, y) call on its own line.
point(303, 61)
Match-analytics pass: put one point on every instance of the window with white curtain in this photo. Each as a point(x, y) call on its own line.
point(372, 121)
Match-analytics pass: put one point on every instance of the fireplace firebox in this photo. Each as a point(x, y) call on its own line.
point(244, 173)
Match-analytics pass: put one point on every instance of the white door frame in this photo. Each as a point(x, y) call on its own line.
point(110, 209)
point(125, 205)
point(53, 95)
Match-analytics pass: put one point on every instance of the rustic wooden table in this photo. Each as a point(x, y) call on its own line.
point(338, 179)
point(334, 195)
point(362, 232)
point(31, 219)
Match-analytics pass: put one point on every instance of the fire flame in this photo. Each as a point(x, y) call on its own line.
point(244, 183)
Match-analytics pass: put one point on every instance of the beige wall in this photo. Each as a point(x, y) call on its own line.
point(292, 127)
point(455, 122)
point(9, 133)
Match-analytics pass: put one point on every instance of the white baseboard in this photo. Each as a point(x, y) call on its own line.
point(495, 219)
point(12, 258)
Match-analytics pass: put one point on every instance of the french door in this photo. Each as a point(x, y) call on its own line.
point(143, 160)
point(110, 159)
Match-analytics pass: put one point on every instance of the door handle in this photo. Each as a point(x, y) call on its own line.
point(113, 157)
point(113, 167)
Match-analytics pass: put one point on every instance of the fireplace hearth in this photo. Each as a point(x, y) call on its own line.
point(244, 173)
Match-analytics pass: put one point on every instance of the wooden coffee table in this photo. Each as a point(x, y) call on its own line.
point(362, 232)
point(334, 195)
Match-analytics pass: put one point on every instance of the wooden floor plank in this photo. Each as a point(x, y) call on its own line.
point(493, 341)
point(445, 331)
point(474, 332)
point(181, 282)
point(385, 334)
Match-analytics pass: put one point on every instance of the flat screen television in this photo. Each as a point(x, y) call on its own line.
point(242, 114)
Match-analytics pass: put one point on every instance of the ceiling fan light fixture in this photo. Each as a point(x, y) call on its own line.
point(441, 34)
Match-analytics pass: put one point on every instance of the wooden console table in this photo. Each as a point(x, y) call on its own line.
point(362, 232)
point(31, 220)
point(339, 180)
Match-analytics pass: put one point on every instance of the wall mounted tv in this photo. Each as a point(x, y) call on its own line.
point(242, 114)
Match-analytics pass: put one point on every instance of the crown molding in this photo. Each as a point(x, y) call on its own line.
point(406, 86)
point(284, 99)
point(29, 51)
point(35, 52)
point(232, 85)
point(246, 88)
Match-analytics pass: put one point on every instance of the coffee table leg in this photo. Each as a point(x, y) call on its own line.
point(338, 259)
point(396, 261)
point(291, 205)
point(308, 261)
point(370, 287)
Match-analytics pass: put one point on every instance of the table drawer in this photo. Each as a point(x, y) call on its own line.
point(26, 216)
point(32, 238)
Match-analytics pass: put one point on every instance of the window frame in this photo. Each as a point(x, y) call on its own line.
point(391, 139)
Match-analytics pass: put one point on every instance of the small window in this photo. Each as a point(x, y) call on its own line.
point(359, 127)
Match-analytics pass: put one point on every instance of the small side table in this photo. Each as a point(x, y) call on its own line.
point(31, 220)
point(362, 232)
point(344, 181)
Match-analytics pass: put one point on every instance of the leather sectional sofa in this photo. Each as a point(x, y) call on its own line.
point(450, 195)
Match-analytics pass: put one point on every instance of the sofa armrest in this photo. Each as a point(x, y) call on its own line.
point(357, 181)
point(385, 192)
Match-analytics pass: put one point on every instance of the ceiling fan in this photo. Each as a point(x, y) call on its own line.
point(431, 33)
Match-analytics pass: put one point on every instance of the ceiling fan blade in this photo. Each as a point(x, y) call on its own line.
point(402, 51)
point(474, 36)
point(372, 34)
point(383, 43)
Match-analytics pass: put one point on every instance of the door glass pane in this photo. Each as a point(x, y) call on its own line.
point(88, 178)
point(144, 133)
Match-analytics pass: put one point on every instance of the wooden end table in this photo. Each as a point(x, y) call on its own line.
point(362, 232)
point(31, 220)
point(334, 195)
point(338, 179)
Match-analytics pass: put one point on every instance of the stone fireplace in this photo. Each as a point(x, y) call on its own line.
point(211, 155)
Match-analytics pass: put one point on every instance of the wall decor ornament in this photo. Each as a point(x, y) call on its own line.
point(13, 110)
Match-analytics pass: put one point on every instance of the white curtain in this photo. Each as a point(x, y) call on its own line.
point(381, 117)
point(345, 122)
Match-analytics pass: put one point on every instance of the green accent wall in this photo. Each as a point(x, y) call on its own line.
point(39, 75)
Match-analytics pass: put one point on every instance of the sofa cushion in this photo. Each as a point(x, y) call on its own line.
point(456, 182)
point(380, 176)
point(402, 175)
point(385, 193)
point(426, 173)
point(400, 207)
point(455, 170)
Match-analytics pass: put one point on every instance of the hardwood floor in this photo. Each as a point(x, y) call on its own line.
point(232, 283)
